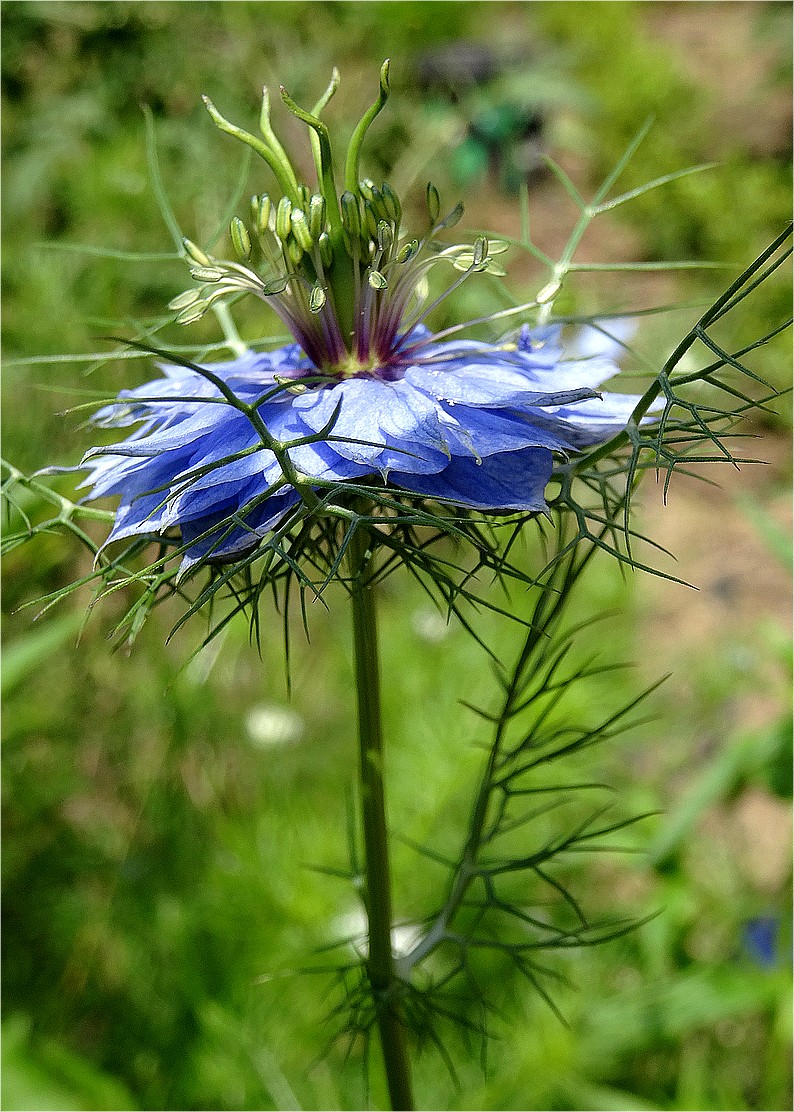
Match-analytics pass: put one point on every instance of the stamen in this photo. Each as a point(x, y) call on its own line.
point(337, 270)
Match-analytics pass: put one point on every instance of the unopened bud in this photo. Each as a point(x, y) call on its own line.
point(294, 251)
point(377, 281)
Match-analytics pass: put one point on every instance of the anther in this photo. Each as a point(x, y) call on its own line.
point(326, 250)
point(184, 300)
point(316, 299)
point(370, 219)
point(241, 240)
point(275, 287)
point(192, 314)
point(283, 225)
point(392, 203)
point(195, 253)
point(433, 203)
point(207, 273)
point(263, 217)
point(300, 229)
point(316, 215)
point(385, 236)
point(351, 217)
point(407, 251)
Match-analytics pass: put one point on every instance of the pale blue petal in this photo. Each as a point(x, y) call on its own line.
point(485, 432)
point(383, 425)
point(494, 384)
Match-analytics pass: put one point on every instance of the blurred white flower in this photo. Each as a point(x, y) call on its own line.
point(429, 625)
point(352, 926)
point(269, 726)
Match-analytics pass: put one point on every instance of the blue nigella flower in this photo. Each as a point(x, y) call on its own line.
point(223, 454)
point(472, 423)
point(760, 938)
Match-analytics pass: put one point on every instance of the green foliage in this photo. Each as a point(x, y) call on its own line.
point(40, 1075)
point(711, 216)
point(162, 851)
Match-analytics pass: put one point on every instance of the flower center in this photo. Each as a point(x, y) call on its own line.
point(337, 270)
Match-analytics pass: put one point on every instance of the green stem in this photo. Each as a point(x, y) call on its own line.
point(380, 962)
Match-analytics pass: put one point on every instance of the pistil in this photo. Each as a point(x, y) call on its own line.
point(335, 271)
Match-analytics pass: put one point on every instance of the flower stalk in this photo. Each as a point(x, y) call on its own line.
point(384, 983)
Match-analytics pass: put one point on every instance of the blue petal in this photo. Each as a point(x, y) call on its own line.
point(484, 432)
point(139, 518)
point(469, 422)
point(190, 505)
point(260, 464)
point(574, 375)
point(604, 339)
point(214, 420)
point(592, 421)
point(508, 481)
point(760, 939)
point(129, 476)
point(319, 459)
point(500, 382)
point(386, 425)
point(225, 540)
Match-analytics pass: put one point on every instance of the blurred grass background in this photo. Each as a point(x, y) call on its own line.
point(159, 819)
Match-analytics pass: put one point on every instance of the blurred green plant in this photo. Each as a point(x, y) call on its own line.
point(41, 1075)
point(144, 913)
